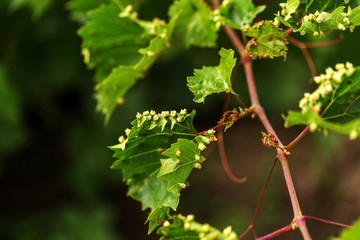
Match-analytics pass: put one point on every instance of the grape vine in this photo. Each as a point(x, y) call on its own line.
point(160, 150)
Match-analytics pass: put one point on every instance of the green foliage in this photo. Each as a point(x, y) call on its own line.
point(318, 17)
point(79, 8)
point(195, 25)
point(157, 157)
point(209, 80)
point(267, 40)
point(186, 228)
point(121, 47)
point(239, 14)
point(350, 234)
point(334, 105)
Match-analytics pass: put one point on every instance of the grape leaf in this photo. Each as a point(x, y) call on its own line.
point(121, 47)
point(110, 40)
point(183, 155)
point(350, 234)
point(109, 92)
point(209, 80)
point(322, 16)
point(334, 105)
point(78, 8)
point(154, 180)
point(195, 23)
point(186, 228)
point(267, 40)
point(239, 14)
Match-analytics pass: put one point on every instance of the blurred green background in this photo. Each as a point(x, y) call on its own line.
point(54, 163)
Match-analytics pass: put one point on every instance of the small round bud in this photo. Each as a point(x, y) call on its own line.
point(166, 223)
point(205, 227)
point(127, 131)
point(121, 139)
point(328, 86)
point(186, 226)
point(148, 117)
point(313, 126)
point(182, 185)
point(341, 27)
point(282, 5)
point(349, 65)
point(179, 119)
point(201, 146)
point(156, 117)
point(152, 112)
point(165, 113)
point(317, 79)
point(339, 66)
point(178, 153)
point(346, 20)
point(353, 134)
point(190, 217)
point(302, 33)
point(183, 111)
point(138, 115)
point(173, 113)
point(316, 33)
point(197, 165)
point(197, 157)
point(145, 113)
point(227, 231)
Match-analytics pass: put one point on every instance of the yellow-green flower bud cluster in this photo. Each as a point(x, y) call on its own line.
point(328, 81)
point(161, 119)
point(205, 232)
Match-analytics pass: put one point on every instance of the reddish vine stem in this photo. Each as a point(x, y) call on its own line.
point(224, 161)
point(285, 229)
point(298, 138)
point(263, 118)
point(260, 198)
point(327, 221)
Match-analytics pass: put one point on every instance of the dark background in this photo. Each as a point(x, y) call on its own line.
point(55, 179)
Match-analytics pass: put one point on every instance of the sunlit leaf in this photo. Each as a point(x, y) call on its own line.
point(209, 80)
point(239, 13)
point(268, 40)
point(195, 23)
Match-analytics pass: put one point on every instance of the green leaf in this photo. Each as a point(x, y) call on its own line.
point(153, 180)
point(350, 233)
point(334, 105)
point(209, 80)
point(292, 5)
point(109, 92)
point(195, 23)
point(186, 228)
point(121, 47)
point(267, 40)
point(110, 40)
point(79, 8)
point(239, 13)
point(183, 155)
point(326, 16)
